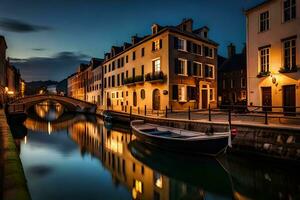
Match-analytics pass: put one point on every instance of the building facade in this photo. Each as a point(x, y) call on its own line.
point(3, 66)
point(273, 55)
point(174, 67)
point(232, 78)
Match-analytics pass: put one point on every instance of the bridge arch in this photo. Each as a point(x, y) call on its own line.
point(21, 105)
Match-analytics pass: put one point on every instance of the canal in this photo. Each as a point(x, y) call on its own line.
point(74, 156)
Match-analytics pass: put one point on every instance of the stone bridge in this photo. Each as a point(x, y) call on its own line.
point(21, 105)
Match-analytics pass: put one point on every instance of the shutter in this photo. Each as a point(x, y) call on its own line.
point(189, 93)
point(160, 43)
point(189, 67)
point(175, 42)
point(193, 93)
point(175, 92)
point(188, 46)
point(176, 65)
point(153, 46)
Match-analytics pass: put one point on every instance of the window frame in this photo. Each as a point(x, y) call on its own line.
point(184, 67)
point(264, 58)
point(265, 21)
point(184, 44)
point(213, 71)
point(201, 69)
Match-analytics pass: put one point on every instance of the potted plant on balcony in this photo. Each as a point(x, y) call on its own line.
point(263, 74)
point(287, 69)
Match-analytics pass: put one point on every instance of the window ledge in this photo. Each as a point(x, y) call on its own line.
point(182, 101)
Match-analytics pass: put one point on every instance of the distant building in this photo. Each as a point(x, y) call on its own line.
point(51, 89)
point(273, 54)
point(62, 87)
point(232, 78)
point(13, 77)
point(3, 66)
point(175, 66)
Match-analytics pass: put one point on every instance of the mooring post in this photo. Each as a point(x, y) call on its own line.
point(209, 113)
point(166, 111)
point(138, 110)
point(130, 113)
point(229, 117)
point(145, 110)
point(189, 113)
point(266, 116)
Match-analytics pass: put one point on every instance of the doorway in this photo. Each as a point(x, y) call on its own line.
point(267, 98)
point(156, 100)
point(204, 99)
point(289, 99)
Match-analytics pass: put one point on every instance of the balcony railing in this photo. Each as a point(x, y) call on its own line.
point(133, 80)
point(288, 69)
point(156, 76)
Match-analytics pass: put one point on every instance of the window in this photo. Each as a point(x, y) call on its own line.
point(191, 93)
point(243, 82)
point(289, 10)
point(232, 83)
point(109, 82)
point(127, 59)
point(122, 78)
point(209, 71)
point(182, 93)
point(156, 65)
point(211, 94)
point(142, 52)
point(182, 64)
point(264, 59)
point(105, 82)
point(109, 67)
point(264, 21)
point(243, 94)
point(126, 73)
point(134, 96)
point(113, 81)
point(181, 44)
point(156, 45)
point(118, 80)
point(133, 55)
point(289, 54)
point(197, 49)
point(197, 69)
point(208, 52)
point(133, 73)
point(143, 94)
point(113, 66)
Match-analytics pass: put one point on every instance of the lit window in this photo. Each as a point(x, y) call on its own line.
point(264, 59)
point(156, 45)
point(211, 94)
point(289, 10)
point(138, 185)
point(181, 44)
point(156, 65)
point(197, 69)
point(289, 54)
point(158, 180)
point(182, 64)
point(264, 21)
point(182, 93)
point(208, 52)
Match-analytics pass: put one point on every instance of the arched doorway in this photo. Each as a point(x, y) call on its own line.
point(156, 100)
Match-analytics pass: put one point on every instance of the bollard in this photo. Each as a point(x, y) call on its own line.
point(145, 110)
point(166, 112)
point(209, 113)
point(229, 117)
point(266, 116)
point(189, 113)
point(130, 113)
point(138, 110)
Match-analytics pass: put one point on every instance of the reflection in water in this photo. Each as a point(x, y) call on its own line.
point(82, 159)
point(49, 110)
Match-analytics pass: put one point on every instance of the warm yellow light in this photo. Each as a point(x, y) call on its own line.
point(6, 89)
point(25, 140)
point(10, 92)
point(138, 186)
point(49, 128)
point(114, 145)
point(158, 182)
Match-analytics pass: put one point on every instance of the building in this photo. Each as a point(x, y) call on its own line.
point(3, 65)
point(94, 90)
point(77, 83)
point(232, 78)
point(273, 54)
point(174, 67)
point(62, 87)
point(13, 81)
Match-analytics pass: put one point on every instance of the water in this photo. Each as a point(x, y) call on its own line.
point(81, 157)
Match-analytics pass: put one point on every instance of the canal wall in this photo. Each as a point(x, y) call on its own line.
point(272, 141)
point(14, 185)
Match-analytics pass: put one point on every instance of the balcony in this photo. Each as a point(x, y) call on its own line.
point(133, 80)
point(156, 77)
point(288, 69)
point(263, 74)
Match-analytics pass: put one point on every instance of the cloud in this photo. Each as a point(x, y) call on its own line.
point(38, 49)
point(18, 26)
point(56, 68)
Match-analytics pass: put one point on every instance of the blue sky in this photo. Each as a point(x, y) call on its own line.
point(53, 37)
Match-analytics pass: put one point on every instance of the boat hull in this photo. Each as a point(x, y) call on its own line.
point(209, 147)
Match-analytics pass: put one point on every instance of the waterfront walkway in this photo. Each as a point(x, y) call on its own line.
point(13, 182)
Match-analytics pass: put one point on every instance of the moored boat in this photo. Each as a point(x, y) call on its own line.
point(180, 140)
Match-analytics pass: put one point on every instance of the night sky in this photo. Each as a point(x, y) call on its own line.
point(48, 39)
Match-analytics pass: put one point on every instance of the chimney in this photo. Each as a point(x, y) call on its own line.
point(134, 39)
point(231, 50)
point(186, 25)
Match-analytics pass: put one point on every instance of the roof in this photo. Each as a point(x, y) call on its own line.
point(236, 62)
point(258, 6)
point(165, 28)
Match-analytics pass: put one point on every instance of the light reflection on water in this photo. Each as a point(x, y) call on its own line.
point(82, 159)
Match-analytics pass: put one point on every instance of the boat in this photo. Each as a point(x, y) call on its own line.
point(209, 143)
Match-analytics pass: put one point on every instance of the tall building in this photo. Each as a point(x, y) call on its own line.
point(94, 88)
point(273, 54)
point(232, 78)
point(3, 65)
point(174, 67)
